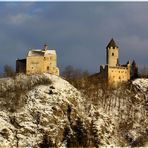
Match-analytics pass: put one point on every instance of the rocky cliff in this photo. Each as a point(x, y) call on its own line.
point(43, 111)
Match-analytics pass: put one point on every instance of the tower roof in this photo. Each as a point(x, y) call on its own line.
point(112, 43)
point(134, 63)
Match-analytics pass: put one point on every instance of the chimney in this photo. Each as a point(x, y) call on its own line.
point(45, 47)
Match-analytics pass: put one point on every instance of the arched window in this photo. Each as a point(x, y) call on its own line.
point(112, 54)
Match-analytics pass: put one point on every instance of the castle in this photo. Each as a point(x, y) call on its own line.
point(38, 61)
point(113, 72)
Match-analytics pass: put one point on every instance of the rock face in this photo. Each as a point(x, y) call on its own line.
point(56, 114)
point(45, 111)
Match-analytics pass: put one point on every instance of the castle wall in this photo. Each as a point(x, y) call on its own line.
point(34, 65)
point(21, 66)
point(42, 64)
point(118, 74)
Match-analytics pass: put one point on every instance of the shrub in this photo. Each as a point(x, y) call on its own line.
point(8, 71)
point(13, 90)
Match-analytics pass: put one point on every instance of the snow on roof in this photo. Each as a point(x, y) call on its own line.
point(51, 52)
point(40, 52)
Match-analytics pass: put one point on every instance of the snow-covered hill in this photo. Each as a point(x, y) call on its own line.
point(45, 111)
point(55, 113)
point(141, 84)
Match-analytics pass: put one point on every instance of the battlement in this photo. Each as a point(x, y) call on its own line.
point(118, 67)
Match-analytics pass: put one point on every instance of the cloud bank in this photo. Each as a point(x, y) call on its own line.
point(79, 31)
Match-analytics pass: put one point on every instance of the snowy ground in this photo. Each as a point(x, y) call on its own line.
point(142, 84)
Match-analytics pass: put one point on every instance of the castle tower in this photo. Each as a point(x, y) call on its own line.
point(112, 53)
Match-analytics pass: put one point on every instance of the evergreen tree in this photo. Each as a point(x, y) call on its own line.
point(46, 142)
point(94, 132)
point(68, 137)
point(80, 133)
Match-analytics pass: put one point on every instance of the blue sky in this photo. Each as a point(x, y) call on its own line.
point(79, 31)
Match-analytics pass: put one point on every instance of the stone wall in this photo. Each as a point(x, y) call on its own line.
point(42, 64)
point(118, 74)
point(21, 66)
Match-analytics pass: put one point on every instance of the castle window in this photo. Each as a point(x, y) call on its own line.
point(119, 77)
point(47, 67)
point(112, 54)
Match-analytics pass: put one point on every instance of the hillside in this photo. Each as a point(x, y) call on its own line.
point(46, 110)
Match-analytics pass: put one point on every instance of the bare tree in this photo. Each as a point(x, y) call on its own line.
point(143, 72)
point(75, 76)
point(8, 71)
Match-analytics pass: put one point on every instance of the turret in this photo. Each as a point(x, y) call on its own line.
point(134, 70)
point(112, 53)
point(128, 70)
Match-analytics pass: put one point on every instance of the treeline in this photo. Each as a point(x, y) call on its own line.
point(75, 76)
point(143, 72)
point(8, 71)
